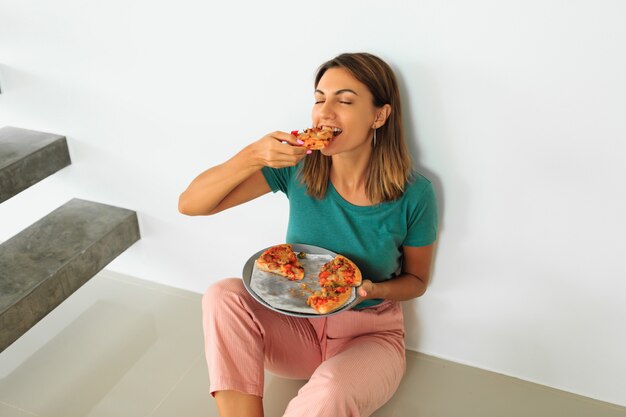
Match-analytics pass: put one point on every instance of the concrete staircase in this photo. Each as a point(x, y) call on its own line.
point(46, 262)
point(27, 157)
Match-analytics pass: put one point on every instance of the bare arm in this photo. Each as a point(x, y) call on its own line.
point(239, 179)
point(411, 283)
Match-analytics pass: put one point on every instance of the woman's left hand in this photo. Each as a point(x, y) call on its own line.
point(366, 290)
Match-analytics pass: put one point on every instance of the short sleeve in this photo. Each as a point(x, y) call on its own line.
point(278, 178)
point(423, 219)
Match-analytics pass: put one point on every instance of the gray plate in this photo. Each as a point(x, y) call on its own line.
point(288, 297)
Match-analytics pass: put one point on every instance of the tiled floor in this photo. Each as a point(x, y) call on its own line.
point(125, 347)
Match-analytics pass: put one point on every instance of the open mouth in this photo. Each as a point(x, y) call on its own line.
point(336, 130)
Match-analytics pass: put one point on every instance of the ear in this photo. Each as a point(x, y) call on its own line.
point(382, 114)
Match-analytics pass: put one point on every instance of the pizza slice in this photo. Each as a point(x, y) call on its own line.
point(340, 272)
point(329, 299)
point(281, 260)
point(316, 138)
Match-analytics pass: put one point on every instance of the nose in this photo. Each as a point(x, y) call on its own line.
point(326, 111)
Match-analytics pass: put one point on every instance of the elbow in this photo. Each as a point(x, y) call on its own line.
point(420, 285)
point(183, 206)
point(186, 208)
point(421, 292)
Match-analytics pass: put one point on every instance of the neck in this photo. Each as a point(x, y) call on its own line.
point(348, 173)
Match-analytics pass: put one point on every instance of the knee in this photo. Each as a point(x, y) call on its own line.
point(336, 392)
point(339, 386)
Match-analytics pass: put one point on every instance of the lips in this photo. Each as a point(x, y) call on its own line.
point(336, 131)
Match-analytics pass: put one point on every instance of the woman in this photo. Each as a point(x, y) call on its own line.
point(359, 197)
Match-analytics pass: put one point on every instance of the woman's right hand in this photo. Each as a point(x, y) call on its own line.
point(278, 150)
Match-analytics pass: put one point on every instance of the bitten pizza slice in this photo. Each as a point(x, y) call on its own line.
point(328, 300)
point(340, 272)
point(281, 260)
point(316, 138)
point(336, 278)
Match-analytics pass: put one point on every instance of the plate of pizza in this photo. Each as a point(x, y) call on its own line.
point(302, 280)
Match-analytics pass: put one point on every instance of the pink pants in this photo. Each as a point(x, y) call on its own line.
point(354, 360)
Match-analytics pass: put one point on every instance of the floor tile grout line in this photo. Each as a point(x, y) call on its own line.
point(21, 410)
point(169, 392)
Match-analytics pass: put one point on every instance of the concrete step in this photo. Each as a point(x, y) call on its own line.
point(27, 157)
point(46, 262)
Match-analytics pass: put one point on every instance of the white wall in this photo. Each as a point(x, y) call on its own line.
point(517, 113)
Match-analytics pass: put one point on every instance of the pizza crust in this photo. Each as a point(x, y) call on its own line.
point(324, 302)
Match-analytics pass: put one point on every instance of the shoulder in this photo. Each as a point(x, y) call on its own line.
point(418, 187)
point(281, 179)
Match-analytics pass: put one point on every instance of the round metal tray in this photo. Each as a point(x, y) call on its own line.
point(286, 293)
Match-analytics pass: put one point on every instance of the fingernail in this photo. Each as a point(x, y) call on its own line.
point(300, 142)
point(308, 152)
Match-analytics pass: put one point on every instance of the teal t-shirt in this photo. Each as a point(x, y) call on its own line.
point(371, 236)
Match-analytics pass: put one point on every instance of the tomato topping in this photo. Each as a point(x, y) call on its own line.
point(317, 301)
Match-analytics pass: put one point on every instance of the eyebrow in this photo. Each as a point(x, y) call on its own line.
point(344, 90)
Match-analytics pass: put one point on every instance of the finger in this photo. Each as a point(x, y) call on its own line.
point(287, 148)
point(288, 138)
point(279, 155)
point(281, 160)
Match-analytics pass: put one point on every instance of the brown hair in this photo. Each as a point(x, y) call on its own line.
point(390, 164)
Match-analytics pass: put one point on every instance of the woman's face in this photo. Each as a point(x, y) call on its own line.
point(343, 102)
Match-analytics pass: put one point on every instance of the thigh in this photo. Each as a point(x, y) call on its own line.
point(236, 325)
point(292, 348)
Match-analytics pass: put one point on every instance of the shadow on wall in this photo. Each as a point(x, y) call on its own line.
point(409, 121)
point(410, 118)
point(1, 80)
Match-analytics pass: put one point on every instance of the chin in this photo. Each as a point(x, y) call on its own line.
point(327, 152)
point(330, 149)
